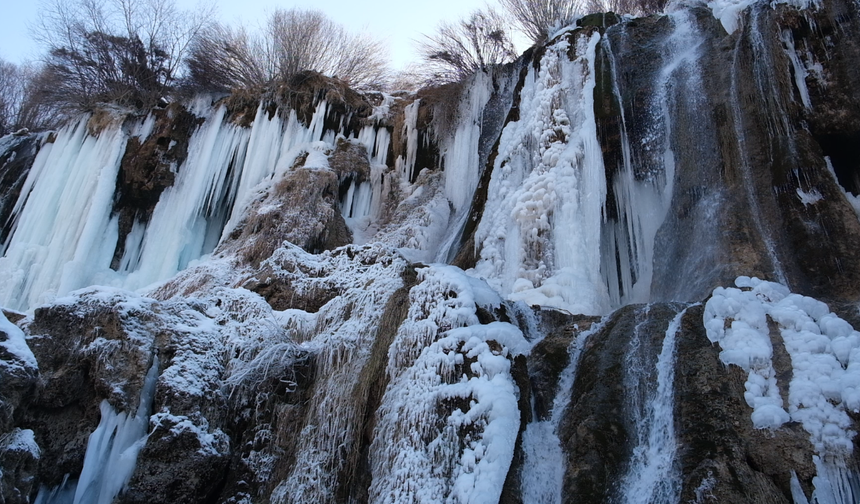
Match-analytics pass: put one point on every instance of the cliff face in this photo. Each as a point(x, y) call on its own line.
point(230, 301)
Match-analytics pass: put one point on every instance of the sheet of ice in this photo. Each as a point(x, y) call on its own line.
point(459, 151)
point(61, 229)
point(64, 236)
point(540, 232)
point(444, 362)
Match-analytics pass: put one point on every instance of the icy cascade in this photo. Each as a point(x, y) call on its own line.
point(461, 158)
point(825, 359)
point(66, 231)
point(213, 188)
point(643, 184)
point(460, 152)
point(540, 235)
point(652, 476)
point(61, 229)
point(443, 359)
point(363, 200)
point(111, 452)
point(544, 466)
point(341, 335)
point(405, 165)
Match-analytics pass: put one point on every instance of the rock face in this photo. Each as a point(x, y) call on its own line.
point(267, 265)
point(15, 162)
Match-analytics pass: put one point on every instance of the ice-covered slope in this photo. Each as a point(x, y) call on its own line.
point(515, 289)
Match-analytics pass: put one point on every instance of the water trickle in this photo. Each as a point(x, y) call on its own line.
point(777, 124)
point(111, 452)
point(544, 467)
point(653, 476)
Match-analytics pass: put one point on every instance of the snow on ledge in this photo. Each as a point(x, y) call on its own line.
point(824, 351)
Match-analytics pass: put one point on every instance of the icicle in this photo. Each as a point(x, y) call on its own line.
point(406, 166)
point(834, 483)
point(460, 150)
point(62, 232)
point(800, 72)
point(628, 244)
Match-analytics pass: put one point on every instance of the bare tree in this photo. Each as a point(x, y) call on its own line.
point(222, 58)
point(456, 51)
point(635, 7)
point(125, 51)
point(307, 40)
point(19, 105)
point(537, 18)
point(11, 96)
point(293, 41)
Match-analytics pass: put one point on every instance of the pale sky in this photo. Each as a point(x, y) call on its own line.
point(397, 22)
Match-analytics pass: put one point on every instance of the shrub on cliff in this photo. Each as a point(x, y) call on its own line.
point(120, 51)
point(458, 50)
point(294, 41)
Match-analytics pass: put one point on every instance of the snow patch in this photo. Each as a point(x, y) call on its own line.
point(16, 344)
point(824, 351)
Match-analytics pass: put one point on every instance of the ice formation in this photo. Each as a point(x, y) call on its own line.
point(446, 425)
point(747, 321)
point(442, 357)
point(540, 236)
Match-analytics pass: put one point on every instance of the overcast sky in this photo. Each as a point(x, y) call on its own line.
point(397, 22)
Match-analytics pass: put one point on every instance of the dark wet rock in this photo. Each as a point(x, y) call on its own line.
point(86, 354)
point(16, 158)
point(551, 355)
point(595, 431)
point(722, 455)
point(19, 463)
point(148, 167)
point(178, 463)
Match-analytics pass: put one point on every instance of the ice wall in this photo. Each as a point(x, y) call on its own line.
point(540, 236)
point(65, 228)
